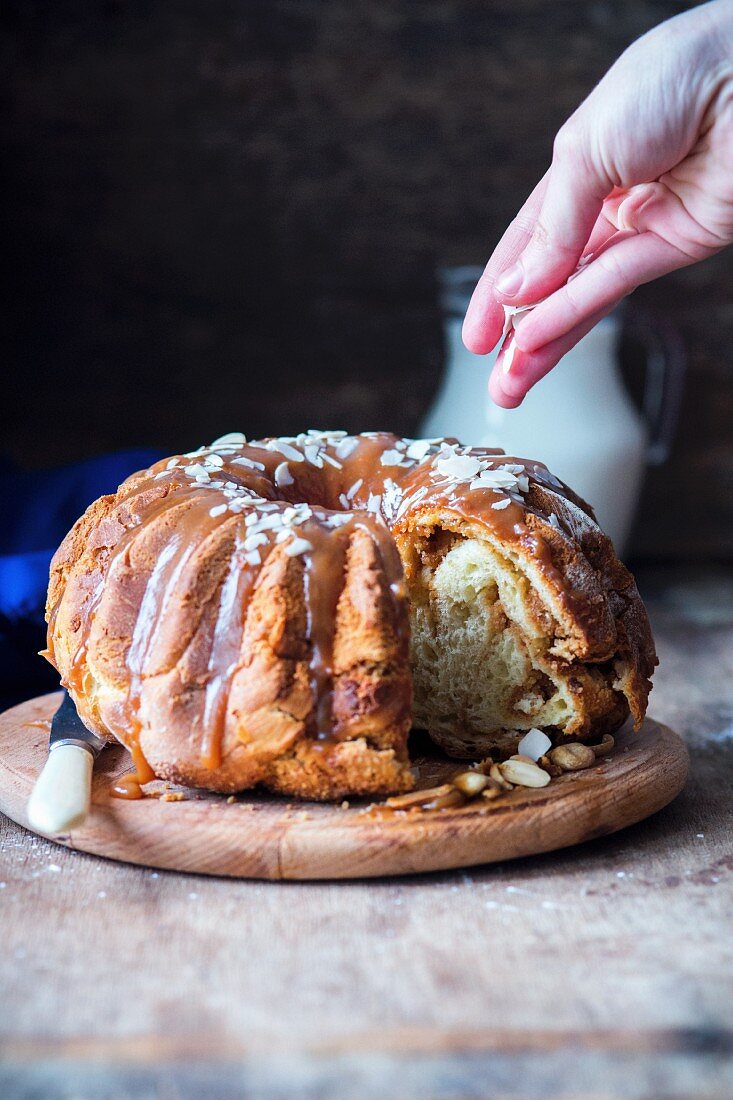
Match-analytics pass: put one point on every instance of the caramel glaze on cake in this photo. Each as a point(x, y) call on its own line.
point(243, 614)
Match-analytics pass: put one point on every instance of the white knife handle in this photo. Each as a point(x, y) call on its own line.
point(60, 799)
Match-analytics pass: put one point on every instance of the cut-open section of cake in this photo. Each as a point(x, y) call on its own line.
point(494, 650)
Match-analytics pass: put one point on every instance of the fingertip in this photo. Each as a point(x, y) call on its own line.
point(480, 331)
point(526, 344)
point(475, 341)
point(499, 394)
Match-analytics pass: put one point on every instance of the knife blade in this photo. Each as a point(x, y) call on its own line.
point(61, 795)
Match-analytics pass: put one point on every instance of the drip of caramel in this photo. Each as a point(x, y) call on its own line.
point(127, 787)
point(130, 786)
point(225, 649)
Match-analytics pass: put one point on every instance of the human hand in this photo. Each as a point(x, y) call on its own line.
point(641, 183)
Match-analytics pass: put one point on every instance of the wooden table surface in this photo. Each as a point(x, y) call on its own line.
point(602, 971)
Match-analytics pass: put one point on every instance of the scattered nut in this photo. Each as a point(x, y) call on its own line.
point(232, 798)
point(573, 757)
point(524, 774)
point(497, 775)
point(546, 764)
point(534, 744)
point(419, 798)
point(490, 780)
point(491, 790)
point(607, 745)
point(470, 783)
point(445, 801)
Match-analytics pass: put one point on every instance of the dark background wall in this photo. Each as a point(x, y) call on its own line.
point(228, 215)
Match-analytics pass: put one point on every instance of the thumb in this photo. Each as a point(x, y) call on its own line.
point(570, 207)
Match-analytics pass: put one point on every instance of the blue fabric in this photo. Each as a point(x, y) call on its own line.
point(37, 509)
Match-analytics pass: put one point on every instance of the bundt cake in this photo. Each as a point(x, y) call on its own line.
point(282, 612)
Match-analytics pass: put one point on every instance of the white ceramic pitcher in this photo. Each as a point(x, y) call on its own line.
point(579, 420)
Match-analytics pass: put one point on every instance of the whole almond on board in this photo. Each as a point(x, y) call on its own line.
point(524, 774)
point(573, 757)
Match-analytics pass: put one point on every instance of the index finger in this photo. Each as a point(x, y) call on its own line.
point(484, 319)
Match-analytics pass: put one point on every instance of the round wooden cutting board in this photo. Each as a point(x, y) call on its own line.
point(261, 836)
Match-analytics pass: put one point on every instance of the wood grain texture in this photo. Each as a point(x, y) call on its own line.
point(268, 837)
point(600, 971)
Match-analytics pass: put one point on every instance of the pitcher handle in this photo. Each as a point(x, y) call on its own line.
point(664, 382)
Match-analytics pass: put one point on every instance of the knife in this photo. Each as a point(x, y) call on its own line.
point(60, 798)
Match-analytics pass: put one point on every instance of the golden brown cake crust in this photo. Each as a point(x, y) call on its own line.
point(238, 615)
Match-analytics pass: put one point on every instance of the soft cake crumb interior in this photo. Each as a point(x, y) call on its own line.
point(471, 636)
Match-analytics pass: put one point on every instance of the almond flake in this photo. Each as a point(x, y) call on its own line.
point(418, 448)
point(290, 452)
point(346, 447)
point(270, 523)
point(255, 540)
point(249, 463)
point(197, 470)
point(458, 467)
point(283, 477)
point(313, 455)
point(233, 439)
point(298, 546)
point(391, 458)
